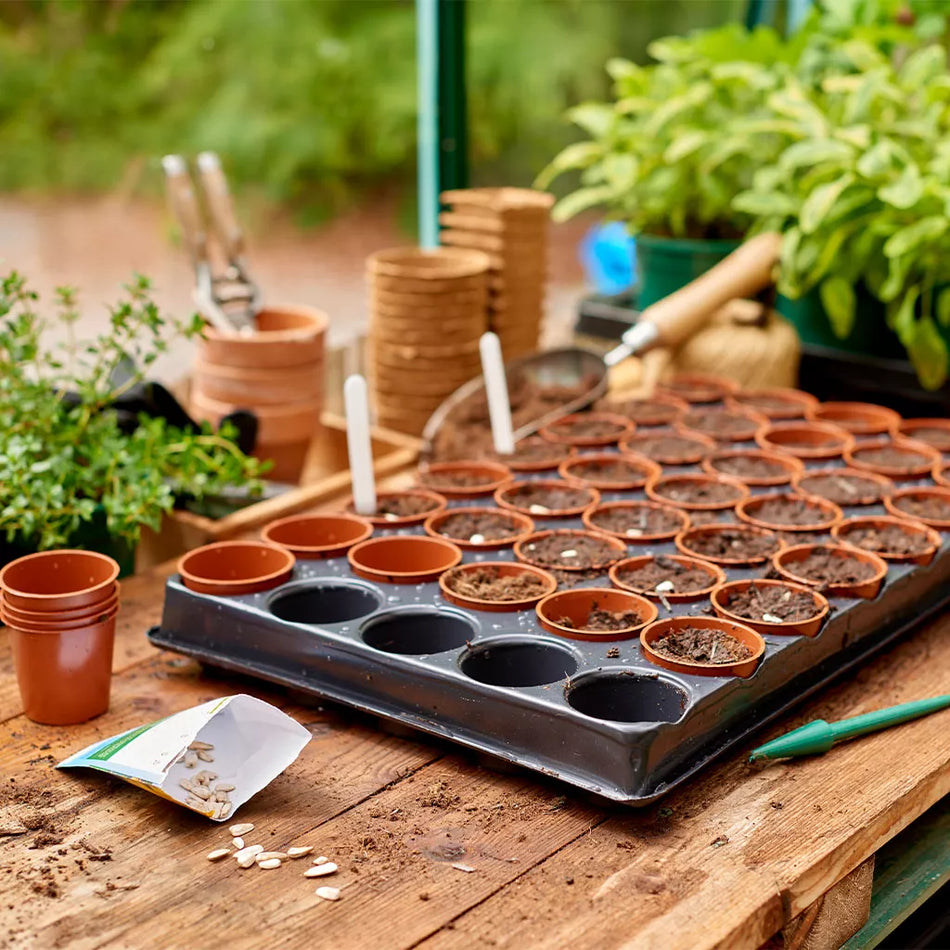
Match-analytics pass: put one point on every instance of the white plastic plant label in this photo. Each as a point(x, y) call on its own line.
point(211, 758)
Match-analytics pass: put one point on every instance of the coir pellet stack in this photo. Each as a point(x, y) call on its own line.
point(428, 310)
point(511, 226)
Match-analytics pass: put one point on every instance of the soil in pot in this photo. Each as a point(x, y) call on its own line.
point(536, 452)
point(575, 550)
point(639, 521)
point(488, 583)
point(750, 466)
point(825, 567)
point(707, 492)
point(399, 505)
point(925, 508)
point(772, 603)
point(462, 478)
point(478, 526)
point(542, 498)
point(568, 579)
point(586, 428)
point(701, 645)
point(698, 388)
point(721, 424)
point(612, 470)
point(789, 510)
point(844, 488)
point(887, 539)
point(664, 575)
point(669, 448)
point(774, 403)
point(648, 412)
point(936, 436)
point(599, 619)
point(892, 457)
point(732, 543)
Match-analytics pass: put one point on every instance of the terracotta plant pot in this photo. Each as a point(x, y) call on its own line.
point(549, 455)
point(655, 410)
point(578, 498)
point(440, 525)
point(906, 503)
point(593, 469)
point(756, 468)
point(777, 404)
point(55, 624)
point(826, 514)
point(910, 459)
point(698, 387)
point(567, 613)
point(312, 537)
point(64, 677)
point(858, 418)
point(932, 432)
point(723, 544)
point(787, 562)
point(464, 479)
point(924, 539)
point(724, 595)
point(609, 549)
point(430, 502)
point(869, 487)
point(58, 580)
point(941, 475)
point(714, 492)
point(244, 386)
point(675, 625)
point(229, 568)
point(59, 618)
point(714, 574)
point(723, 425)
point(668, 446)
point(806, 440)
point(611, 428)
point(503, 569)
point(677, 518)
point(403, 559)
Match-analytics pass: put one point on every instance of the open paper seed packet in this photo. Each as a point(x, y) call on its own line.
point(211, 758)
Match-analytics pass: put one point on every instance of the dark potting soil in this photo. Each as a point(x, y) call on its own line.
point(484, 526)
point(720, 423)
point(768, 603)
point(571, 550)
point(843, 489)
point(403, 506)
point(616, 470)
point(925, 507)
point(671, 449)
point(938, 438)
point(460, 479)
point(698, 645)
point(695, 392)
point(540, 498)
point(536, 449)
point(666, 571)
point(746, 466)
point(824, 567)
point(649, 412)
point(587, 429)
point(791, 511)
point(635, 522)
point(733, 542)
point(892, 457)
point(600, 619)
point(488, 583)
point(767, 403)
point(691, 492)
point(888, 539)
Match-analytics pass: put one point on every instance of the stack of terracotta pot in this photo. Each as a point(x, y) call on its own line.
point(60, 608)
point(277, 373)
point(427, 313)
point(511, 226)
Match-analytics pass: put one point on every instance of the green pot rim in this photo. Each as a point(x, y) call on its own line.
point(686, 245)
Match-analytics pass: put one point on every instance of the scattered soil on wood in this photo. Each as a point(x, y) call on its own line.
point(536, 449)
point(571, 550)
point(789, 511)
point(925, 507)
point(615, 470)
point(670, 449)
point(488, 583)
point(539, 499)
point(749, 466)
point(460, 479)
point(698, 645)
point(843, 489)
point(893, 457)
point(721, 424)
point(600, 619)
point(824, 567)
point(636, 522)
point(587, 429)
point(771, 602)
point(887, 539)
point(733, 542)
point(666, 571)
point(938, 438)
point(476, 527)
point(698, 492)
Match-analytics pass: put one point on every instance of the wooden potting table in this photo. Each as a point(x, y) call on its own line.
point(438, 850)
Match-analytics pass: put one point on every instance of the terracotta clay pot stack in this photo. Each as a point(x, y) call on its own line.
point(511, 226)
point(428, 310)
point(276, 373)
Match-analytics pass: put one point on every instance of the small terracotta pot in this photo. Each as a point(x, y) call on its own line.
point(784, 562)
point(556, 431)
point(684, 540)
point(58, 580)
point(575, 606)
point(698, 387)
point(505, 498)
point(776, 404)
point(656, 491)
point(790, 465)
point(259, 387)
point(655, 410)
point(591, 513)
point(490, 475)
point(742, 632)
point(54, 625)
point(938, 438)
point(800, 483)
point(572, 470)
point(831, 514)
point(921, 458)
point(229, 568)
point(521, 527)
point(58, 617)
point(403, 559)
point(941, 475)
point(615, 544)
point(312, 537)
point(716, 577)
point(546, 464)
point(805, 440)
point(64, 677)
point(931, 536)
point(700, 446)
point(505, 569)
point(893, 504)
point(747, 424)
point(858, 418)
point(722, 596)
point(438, 501)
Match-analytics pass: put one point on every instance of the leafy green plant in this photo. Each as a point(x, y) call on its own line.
point(63, 457)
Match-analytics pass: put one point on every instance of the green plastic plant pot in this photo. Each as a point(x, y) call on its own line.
point(664, 265)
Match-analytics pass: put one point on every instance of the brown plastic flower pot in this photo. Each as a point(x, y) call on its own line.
point(64, 676)
point(403, 559)
point(58, 580)
point(566, 612)
point(719, 462)
point(800, 483)
point(919, 458)
point(698, 387)
point(59, 617)
point(858, 418)
point(927, 536)
point(229, 568)
point(520, 527)
point(560, 431)
point(614, 545)
point(777, 404)
point(464, 479)
point(932, 432)
point(740, 631)
point(805, 440)
point(435, 501)
point(659, 490)
point(716, 576)
point(903, 502)
point(786, 560)
point(682, 518)
point(829, 513)
point(311, 537)
point(55, 624)
point(583, 469)
point(688, 540)
point(547, 463)
point(507, 497)
point(504, 569)
point(688, 449)
point(656, 410)
point(728, 425)
point(722, 596)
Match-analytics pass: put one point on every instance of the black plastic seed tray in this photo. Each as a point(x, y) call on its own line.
point(615, 725)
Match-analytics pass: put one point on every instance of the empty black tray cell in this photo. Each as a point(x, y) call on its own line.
point(518, 663)
point(324, 603)
point(417, 632)
point(627, 697)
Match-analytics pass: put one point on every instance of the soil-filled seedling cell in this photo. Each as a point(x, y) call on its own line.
point(521, 662)
point(417, 632)
point(627, 697)
point(323, 603)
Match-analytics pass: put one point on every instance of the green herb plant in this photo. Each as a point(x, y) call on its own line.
point(63, 457)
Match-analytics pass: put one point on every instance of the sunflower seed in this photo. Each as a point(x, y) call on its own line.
point(224, 787)
point(476, 539)
point(238, 843)
point(321, 870)
point(771, 618)
point(538, 509)
point(664, 587)
point(204, 777)
point(218, 854)
point(298, 852)
point(269, 864)
point(253, 850)
point(321, 860)
point(200, 791)
point(270, 856)
point(247, 861)
point(467, 868)
point(223, 811)
point(569, 553)
point(242, 829)
point(204, 756)
point(203, 746)
point(328, 893)
point(193, 802)
point(191, 760)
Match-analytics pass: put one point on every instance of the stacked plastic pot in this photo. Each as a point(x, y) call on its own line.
point(511, 226)
point(428, 310)
point(277, 373)
point(60, 607)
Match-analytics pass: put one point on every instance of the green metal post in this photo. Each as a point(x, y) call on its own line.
point(453, 124)
point(427, 146)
